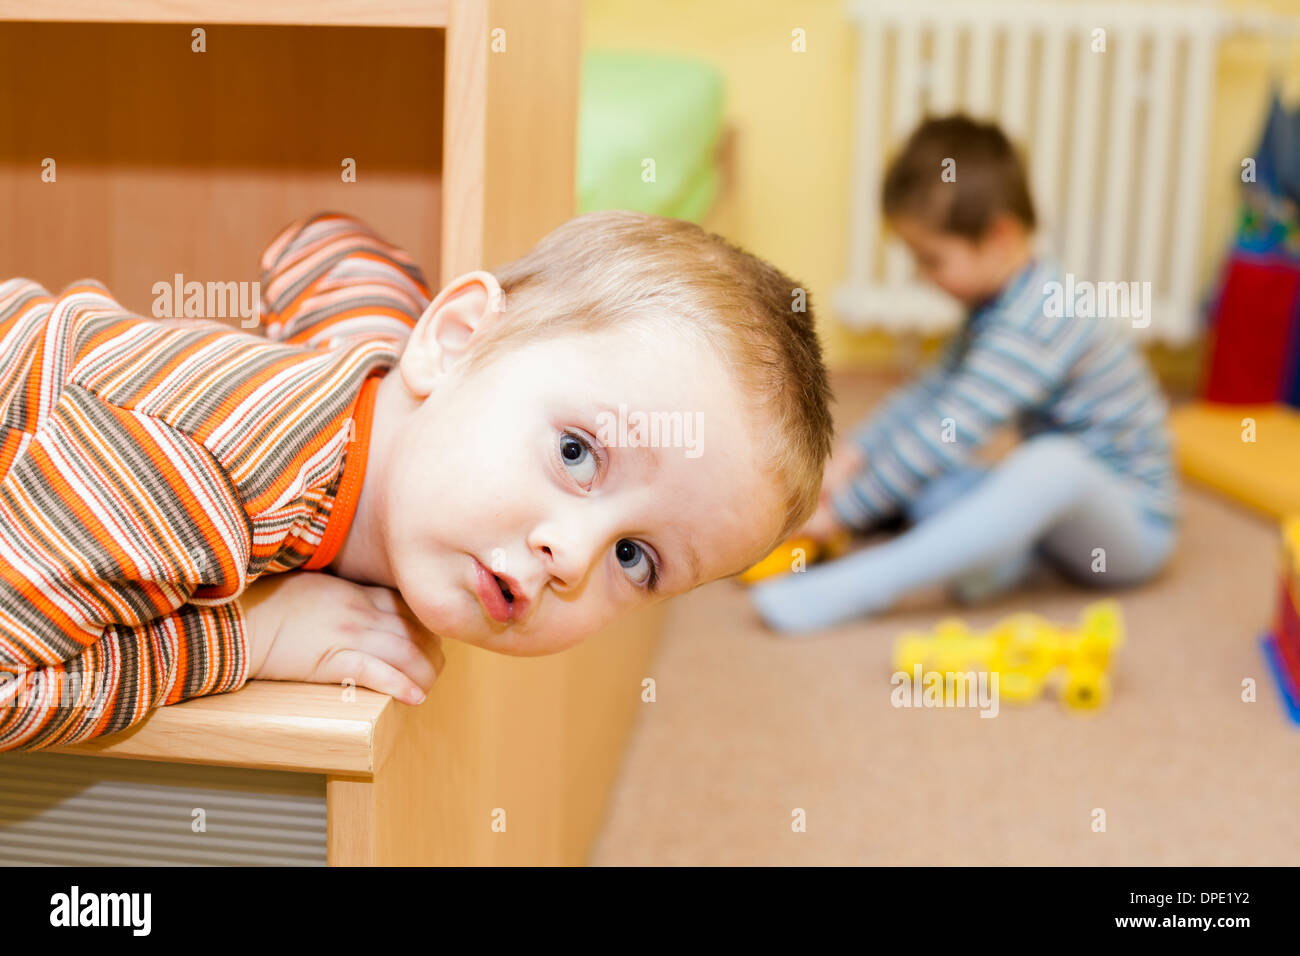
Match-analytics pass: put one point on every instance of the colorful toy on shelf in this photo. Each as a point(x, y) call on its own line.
point(1027, 652)
point(786, 557)
point(1282, 644)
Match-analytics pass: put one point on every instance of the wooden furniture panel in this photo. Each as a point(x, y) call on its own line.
point(169, 161)
point(360, 13)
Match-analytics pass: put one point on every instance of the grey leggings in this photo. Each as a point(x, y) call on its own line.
point(1048, 498)
point(981, 531)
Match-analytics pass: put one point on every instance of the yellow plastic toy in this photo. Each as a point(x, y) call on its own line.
point(789, 555)
point(1027, 652)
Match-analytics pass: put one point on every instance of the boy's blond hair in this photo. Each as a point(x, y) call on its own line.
point(654, 275)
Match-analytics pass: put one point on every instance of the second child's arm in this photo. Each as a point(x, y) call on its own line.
point(836, 510)
point(1010, 367)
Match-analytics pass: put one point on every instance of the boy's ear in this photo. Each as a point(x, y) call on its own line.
point(465, 307)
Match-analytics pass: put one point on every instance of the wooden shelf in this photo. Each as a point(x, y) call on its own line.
point(267, 725)
point(355, 13)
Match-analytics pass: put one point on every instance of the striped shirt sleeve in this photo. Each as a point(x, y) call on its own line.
point(116, 681)
point(123, 546)
point(902, 403)
point(329, 281)
point(1013, 363)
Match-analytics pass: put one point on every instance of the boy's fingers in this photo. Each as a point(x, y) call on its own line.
point(382, 598)
point(415, 660)
point(404, 622)
point(369, 671)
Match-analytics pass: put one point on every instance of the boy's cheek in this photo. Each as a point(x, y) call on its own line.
point(562, 626)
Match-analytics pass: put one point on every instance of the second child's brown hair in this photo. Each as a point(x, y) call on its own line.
point(989, 179)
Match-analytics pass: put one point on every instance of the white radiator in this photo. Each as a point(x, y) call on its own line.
point(1116, 141)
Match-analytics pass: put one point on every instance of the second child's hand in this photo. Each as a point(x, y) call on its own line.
point(847, 460)
point(1000, 444)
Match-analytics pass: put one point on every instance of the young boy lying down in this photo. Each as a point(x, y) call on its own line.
point(453, 468)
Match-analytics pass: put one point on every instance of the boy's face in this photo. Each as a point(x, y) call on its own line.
point(968, 270)
point(490, 474)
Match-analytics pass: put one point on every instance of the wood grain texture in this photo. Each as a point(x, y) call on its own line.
point(349, 821)
point(373, 13)
point(510, 168)
point(272, 725)
point(531, 743)
point(170, 161)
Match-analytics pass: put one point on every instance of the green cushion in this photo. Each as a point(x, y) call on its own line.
point(638, 106)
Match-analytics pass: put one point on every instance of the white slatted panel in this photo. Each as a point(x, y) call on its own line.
point(1156, 157)
point(904, 115)
point(65, 810)
point(943, 95)
point(979, 71)
point(1191, 174)
point(1116, 140)
point(865, 223)
point(1118, 178)
point(1045, 160)
point(1082, 210)
point(1015, 83)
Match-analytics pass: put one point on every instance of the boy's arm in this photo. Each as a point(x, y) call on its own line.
point(123, 546)
point(116, 681)
point(1010, 366)
point(903, 402)
point(329, 280)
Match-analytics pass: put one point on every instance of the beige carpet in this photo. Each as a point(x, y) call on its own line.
point(748, 727)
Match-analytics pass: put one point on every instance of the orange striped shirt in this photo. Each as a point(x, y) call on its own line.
point(149, 472)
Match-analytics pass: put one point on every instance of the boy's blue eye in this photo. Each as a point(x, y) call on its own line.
point(636, 560)
point(578, 458)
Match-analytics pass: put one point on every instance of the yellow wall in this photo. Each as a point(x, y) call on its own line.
point(792, 115)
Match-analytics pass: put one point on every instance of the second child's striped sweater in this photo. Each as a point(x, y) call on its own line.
point(1015, 363)
point(150, 472)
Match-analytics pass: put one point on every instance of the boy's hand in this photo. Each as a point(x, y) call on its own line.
point(316, 627)
point(999, 445)
point(847, 460)
point(824, 525)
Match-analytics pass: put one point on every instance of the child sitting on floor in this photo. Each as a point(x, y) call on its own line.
point(453, 465)
point(1089, 486)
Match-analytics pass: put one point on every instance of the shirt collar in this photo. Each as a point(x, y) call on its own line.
point(354, 474)
point(1010, 291)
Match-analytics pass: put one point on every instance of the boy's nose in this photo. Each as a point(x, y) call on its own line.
point(568, 551)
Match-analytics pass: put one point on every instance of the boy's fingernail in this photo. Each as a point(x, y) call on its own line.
point(415, 697)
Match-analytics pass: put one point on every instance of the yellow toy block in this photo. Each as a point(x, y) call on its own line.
point(1018, 686)
point(1027, 652)
point(1086, 687)
point(794, 551)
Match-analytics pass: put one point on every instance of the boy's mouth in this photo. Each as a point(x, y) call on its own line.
point(498, 594)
